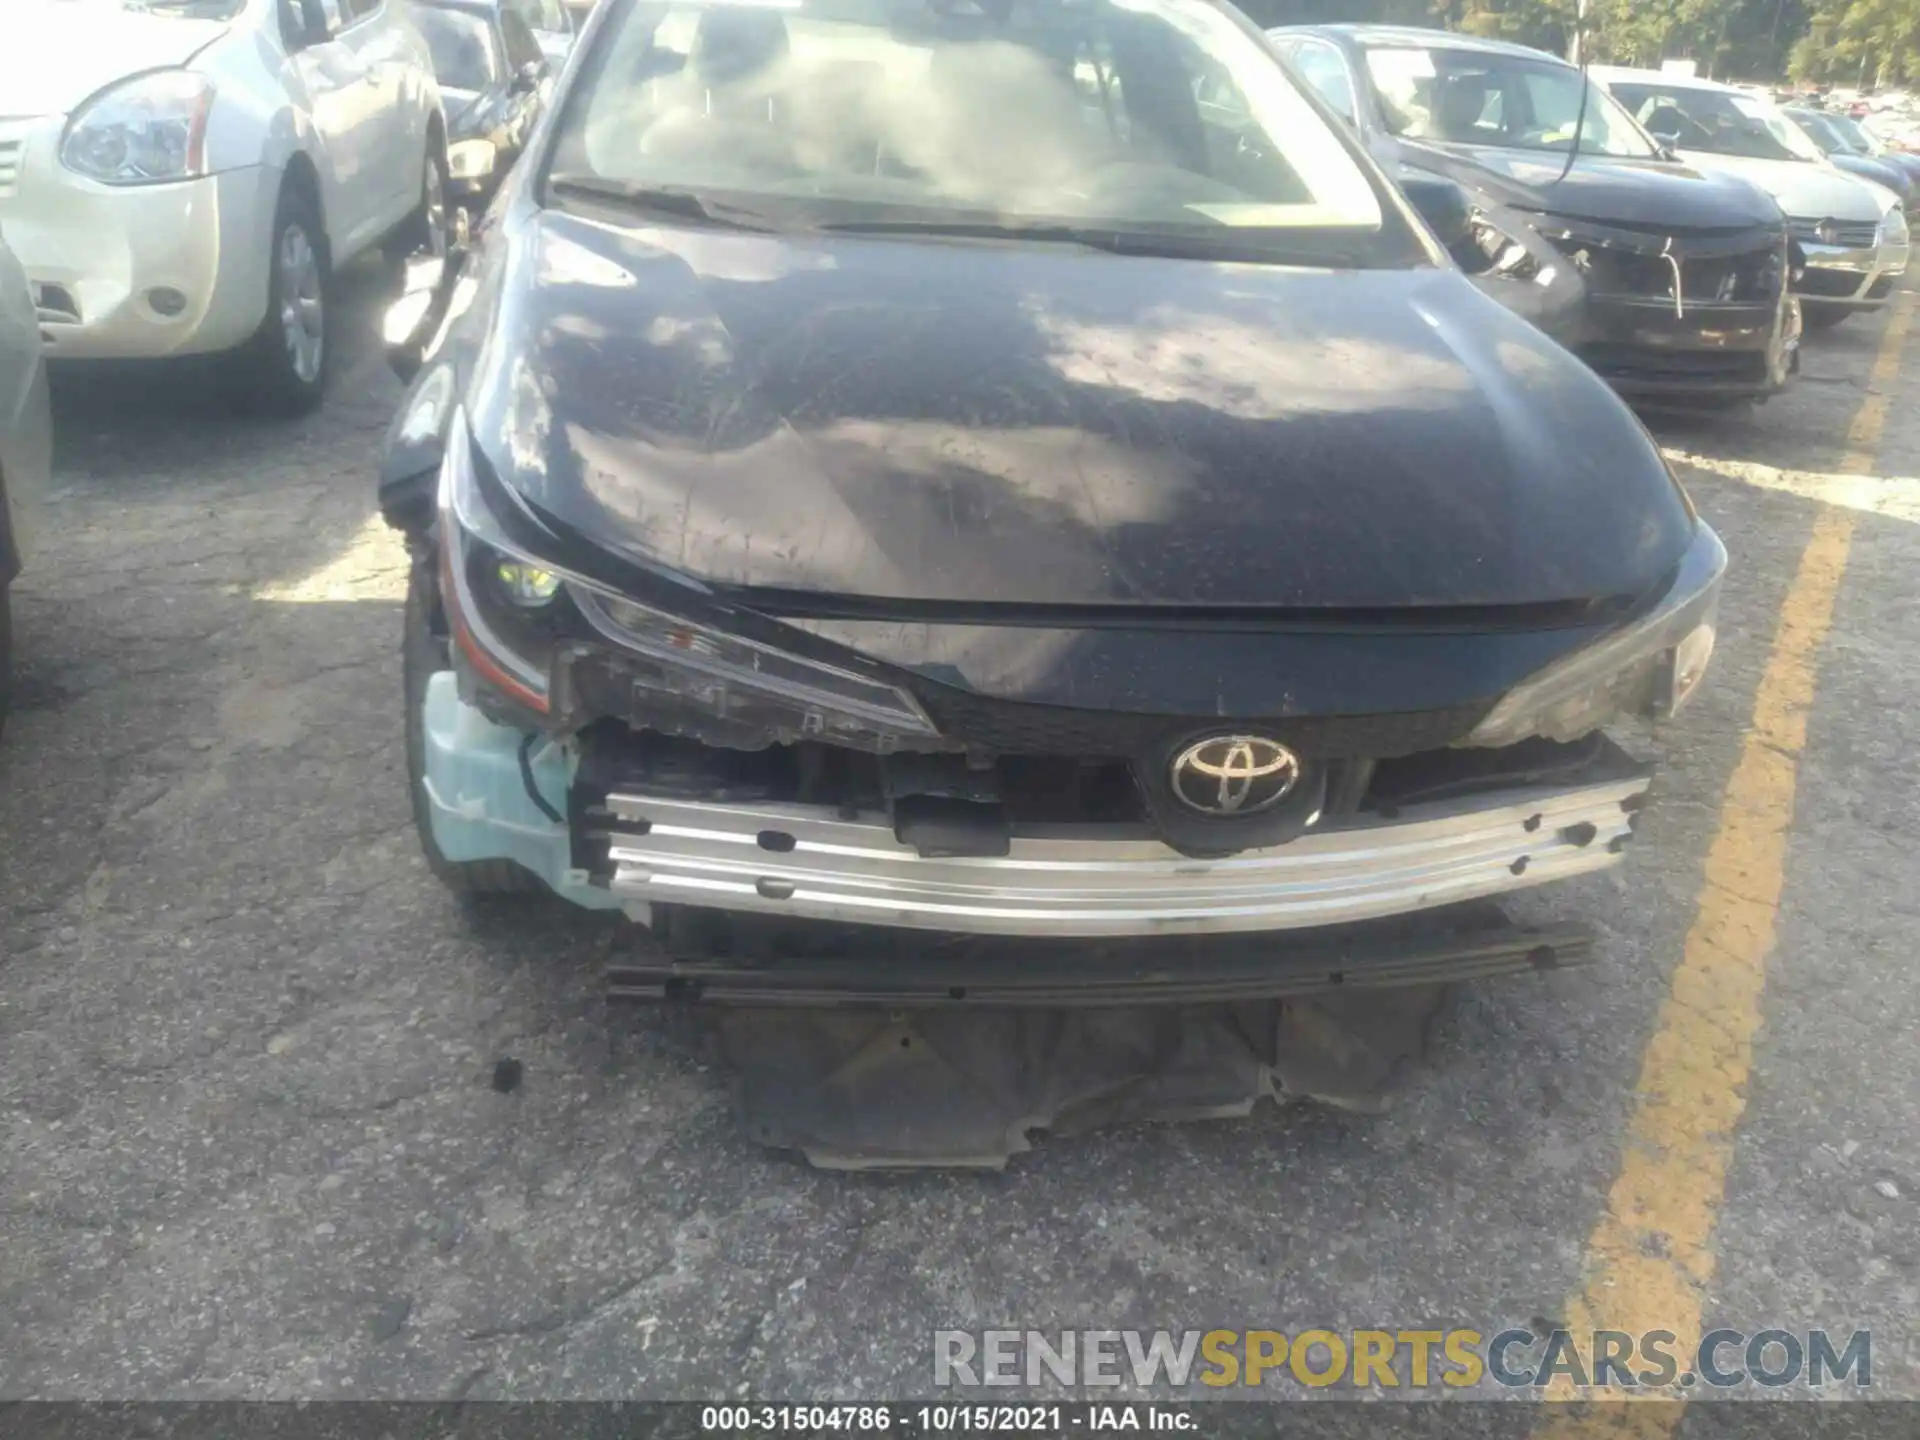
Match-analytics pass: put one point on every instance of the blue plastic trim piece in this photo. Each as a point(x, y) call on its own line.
point(479, 801)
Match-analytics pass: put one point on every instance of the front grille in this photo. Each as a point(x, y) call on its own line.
point(1853, 234)
point(1639, 362)
point(1829, 284)
point(1004, 727)
point(1747, 276)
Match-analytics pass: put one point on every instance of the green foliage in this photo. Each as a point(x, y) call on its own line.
point(1855, 42)
point(1846, 41)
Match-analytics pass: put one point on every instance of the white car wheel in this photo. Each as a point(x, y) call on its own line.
point(303, 305)
point(283, 369)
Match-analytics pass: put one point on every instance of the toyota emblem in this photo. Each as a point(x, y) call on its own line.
point(1233, 774)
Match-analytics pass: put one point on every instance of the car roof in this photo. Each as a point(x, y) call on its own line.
point(1662, 77)
point(1407, 36)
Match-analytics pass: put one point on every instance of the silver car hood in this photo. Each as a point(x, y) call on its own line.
point(1804, 189)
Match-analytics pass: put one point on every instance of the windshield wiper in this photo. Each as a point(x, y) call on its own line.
point(1229, 244)
point(661, 200)
point(979, 230)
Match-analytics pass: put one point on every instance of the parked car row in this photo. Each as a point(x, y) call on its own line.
point(184, 177)
point(1701, 223)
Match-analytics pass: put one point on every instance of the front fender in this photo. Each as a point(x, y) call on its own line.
point(415, 442)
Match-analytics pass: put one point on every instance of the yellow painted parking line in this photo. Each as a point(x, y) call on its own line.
point(1650, 1257)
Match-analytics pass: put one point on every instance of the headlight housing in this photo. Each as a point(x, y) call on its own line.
point(1893, 228)
point(1651, 666)
point(143, 131)
point(471, 160)
point(540, 633)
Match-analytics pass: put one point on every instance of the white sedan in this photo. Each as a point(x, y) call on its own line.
point(182, 177)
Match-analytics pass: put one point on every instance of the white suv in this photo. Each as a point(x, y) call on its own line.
point(181, 177)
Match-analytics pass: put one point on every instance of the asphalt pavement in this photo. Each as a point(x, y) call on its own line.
point(252, 1144)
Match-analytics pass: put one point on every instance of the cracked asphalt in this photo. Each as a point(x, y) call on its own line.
point(251, 1144)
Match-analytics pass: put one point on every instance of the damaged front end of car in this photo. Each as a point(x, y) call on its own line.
point(1685, 316)
point(639, 743)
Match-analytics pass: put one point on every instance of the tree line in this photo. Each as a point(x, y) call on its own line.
point(1873, 43)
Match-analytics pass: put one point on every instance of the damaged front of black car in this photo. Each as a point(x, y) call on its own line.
point(1684, 278)
point(1134, 562)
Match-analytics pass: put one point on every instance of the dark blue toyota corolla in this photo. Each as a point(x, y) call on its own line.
point(1014, 470)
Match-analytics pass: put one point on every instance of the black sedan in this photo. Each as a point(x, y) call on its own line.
point(493, 79)
point(1687, 274)
point(921, 469)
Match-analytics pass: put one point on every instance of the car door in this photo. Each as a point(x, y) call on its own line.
point(332, 80)
point(376, 35)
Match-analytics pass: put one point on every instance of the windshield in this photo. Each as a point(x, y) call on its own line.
point(1716, 122)
point(1475, 98)
point(1853, 134)
point(1824, 135)
point(1165, 118)
point(462, 47)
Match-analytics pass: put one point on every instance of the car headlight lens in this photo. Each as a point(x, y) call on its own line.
point(1651, 666)
point(144, 130)
point(518, 617)
point(1893, 228)
point(471, 159)
point(752, 689)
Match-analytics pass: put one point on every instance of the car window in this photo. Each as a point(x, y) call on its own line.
point(359, 9)
point(522, 48)
point(1819, 131)
point(297, 20)
point(1515, 102)
point(465, 53)
point(1715, 122)
point(1326, 70)
point(1852, 134)
point(1135, 114)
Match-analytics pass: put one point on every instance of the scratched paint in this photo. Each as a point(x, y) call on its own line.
point(1650, 1257)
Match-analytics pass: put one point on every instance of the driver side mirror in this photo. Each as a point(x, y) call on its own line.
point(1442, 204)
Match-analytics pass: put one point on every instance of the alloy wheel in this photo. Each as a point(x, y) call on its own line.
point(302, 305)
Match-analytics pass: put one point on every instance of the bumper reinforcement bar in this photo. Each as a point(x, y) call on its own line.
point(806, 862)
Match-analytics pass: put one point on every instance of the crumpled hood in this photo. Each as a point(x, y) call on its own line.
point(980, 423)
point(1805, 190)
point(57, 53)
point(1621, 192)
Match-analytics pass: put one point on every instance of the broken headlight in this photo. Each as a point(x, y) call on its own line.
point(1651, 666)
point(502, 604)
point(516, 615)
